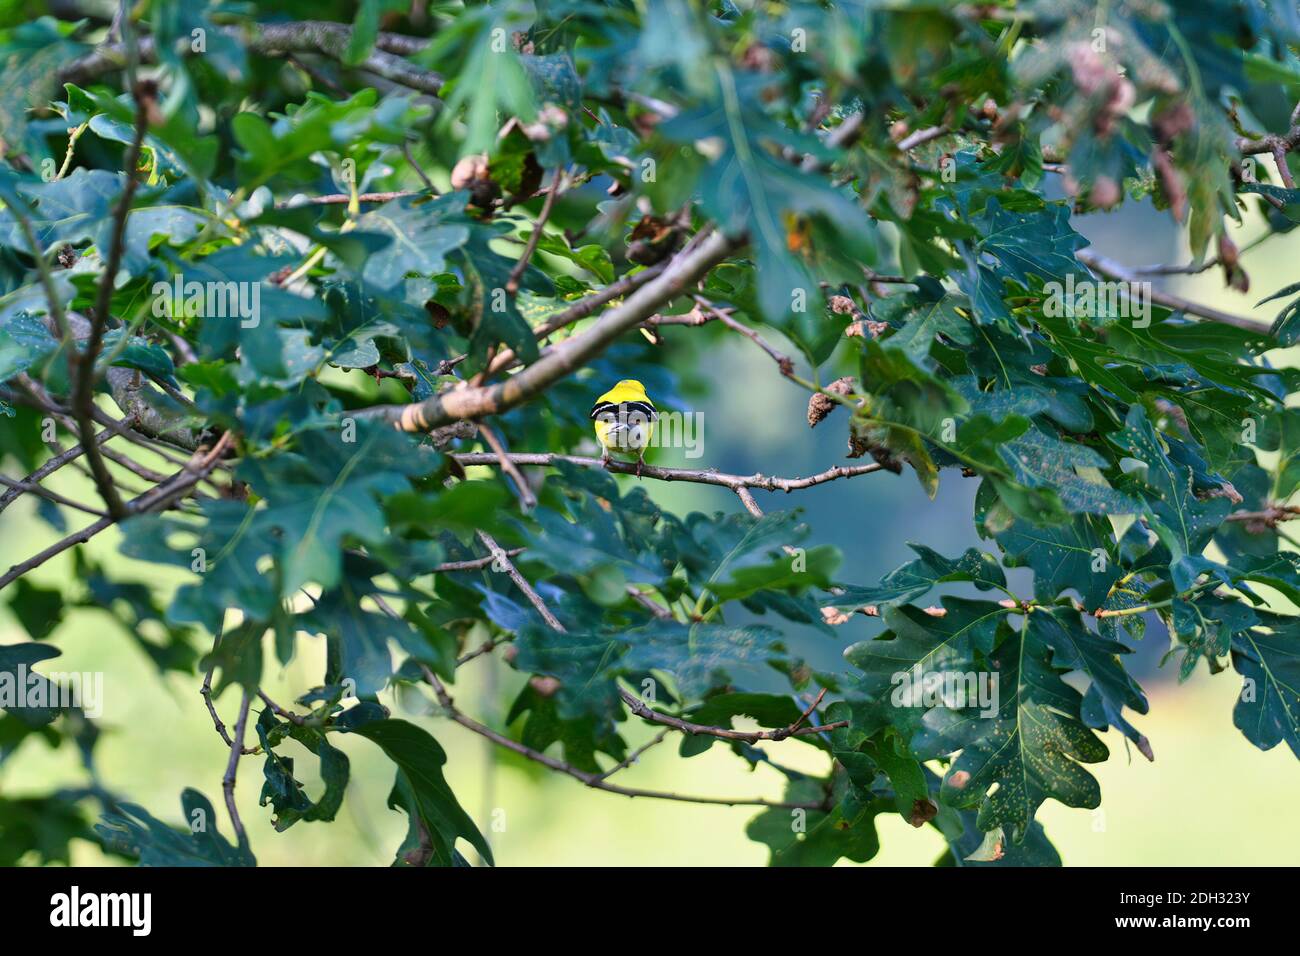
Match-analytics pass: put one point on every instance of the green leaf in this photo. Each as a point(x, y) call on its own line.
point(422, 789)
point(1032, 748)
point(919, 576)
point(133, 832)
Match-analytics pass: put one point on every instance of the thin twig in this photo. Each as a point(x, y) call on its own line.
point(47, 469)
point(232, 767)
point(342, 199)
point(704, 477)
point(280, 712)
point(155, 499)
point(635, 755)
point(499, 555)
point(472, 564)
point(82, 363)
point(526, 497)
point(593, 780)
point(517, 271)
point(784, 363)
point(15, 488)
point(578, 311)
point(487, 647)
point(649, 603)
point(643, 710)
point(921, 136)
point(419, 171)
point(747, 499)
point(205, 691)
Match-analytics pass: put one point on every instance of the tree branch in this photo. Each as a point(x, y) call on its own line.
point(517, 270)
point(499, 555)
point(642, 710)
point(82, 364)
point(596, 781)
point(14, 488)
point(232, 767)
point(469, 402)
point(1114, 270)
point(153, 499)
point(47, 469)
point(703, 477)
point(276, 39)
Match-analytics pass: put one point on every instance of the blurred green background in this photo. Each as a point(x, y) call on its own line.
point(1209, 797)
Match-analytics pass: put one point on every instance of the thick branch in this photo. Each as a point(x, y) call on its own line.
point(1114, 270)
point(468, 402)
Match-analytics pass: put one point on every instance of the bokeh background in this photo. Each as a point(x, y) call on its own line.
point(1209, 797)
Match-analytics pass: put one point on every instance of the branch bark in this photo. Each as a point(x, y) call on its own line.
point(153, 499)
point(470, 402)
point(275, 39)
point(1114, 270)
point(596, 781)
point(702, 476)
point(643, 710)
point(82, 363)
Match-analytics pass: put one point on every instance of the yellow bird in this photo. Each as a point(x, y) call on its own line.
point(625, 421)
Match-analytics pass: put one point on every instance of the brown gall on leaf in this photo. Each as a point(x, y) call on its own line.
point(438, 313)
point(1225, 490)
point(958, 779)
point(843, 305)
point(821, 405)
point(1105, 193)
point(1169, 124)
point(653, 240)
point(923, 811)
point(1233, 274)
point(543, 685)
point(1095, 78)
point(835, 617)
point(471, 173)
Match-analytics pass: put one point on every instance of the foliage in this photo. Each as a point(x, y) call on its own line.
point(460, 219)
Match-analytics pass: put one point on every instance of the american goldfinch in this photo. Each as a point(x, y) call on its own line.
point(625, 420)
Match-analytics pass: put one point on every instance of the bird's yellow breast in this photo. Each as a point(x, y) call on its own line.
point(624, 416)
